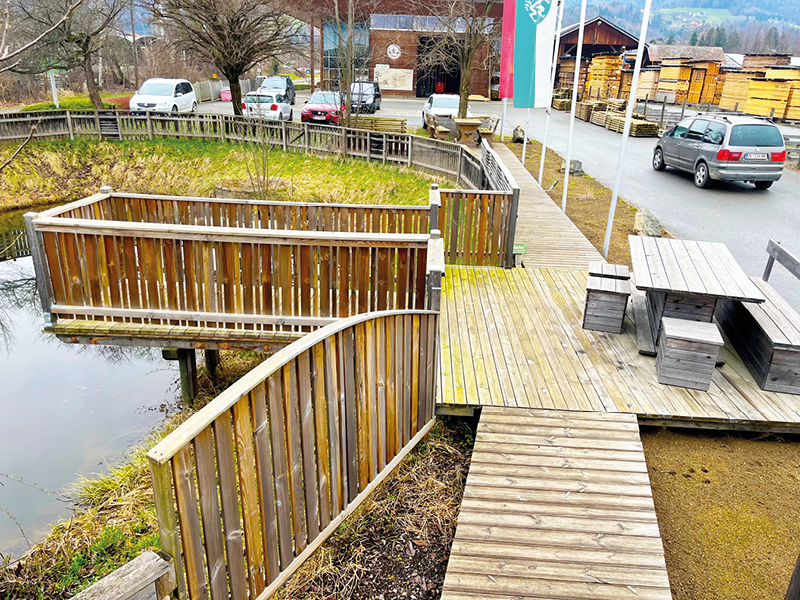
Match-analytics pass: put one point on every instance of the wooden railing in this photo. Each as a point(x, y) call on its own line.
point(14, 245)
point(248, 487)
point(434, 156)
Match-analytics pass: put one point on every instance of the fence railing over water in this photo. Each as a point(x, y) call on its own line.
point(14, 245)
point(261, 476)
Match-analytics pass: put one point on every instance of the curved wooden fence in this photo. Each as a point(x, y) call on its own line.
point(248, 487)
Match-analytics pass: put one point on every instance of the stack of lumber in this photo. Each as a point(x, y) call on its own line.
point(757, 61)
point(648, 83)
point(792, 110)
point(768, 97)
point(723, 74)
point(584, 110)
point(562, 103)
point(703, 81)
point(626, 77)
point(566, 74)
point(599, 117)
point(617, 104)
point(734, 94)
point(603, 79)
point(639, 126)
point(673, 81)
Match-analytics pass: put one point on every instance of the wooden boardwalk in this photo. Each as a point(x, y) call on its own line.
point(514, 338)
point(553, 240)
point(557, 505)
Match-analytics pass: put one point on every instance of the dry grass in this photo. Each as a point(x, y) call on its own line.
point(115, 519)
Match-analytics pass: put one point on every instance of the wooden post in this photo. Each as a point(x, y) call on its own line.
point(149, 126)
point(410, 151)
point(384, 148)
point(435, 270)
point(646, 97)
point(97, 124)
point(305, 137)
point(771, 113)
point(736, 107)
point(435, 198)
point(187, 362)
point(222, 136)
point(69, 126)
point(43, 283)
point(460, 164)
point(683, 108)
point(343, 142)
point(212, 362)
point(284, 134)
point(512, 226)
point(663, 108)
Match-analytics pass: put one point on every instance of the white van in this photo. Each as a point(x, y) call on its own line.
point(165, 95)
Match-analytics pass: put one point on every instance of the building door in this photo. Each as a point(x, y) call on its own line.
point(437, 72)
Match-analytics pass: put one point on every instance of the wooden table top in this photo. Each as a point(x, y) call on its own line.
point(690, 268)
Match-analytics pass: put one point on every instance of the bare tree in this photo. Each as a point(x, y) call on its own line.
point(235, 35)
point(460, 30)
point(75, 42)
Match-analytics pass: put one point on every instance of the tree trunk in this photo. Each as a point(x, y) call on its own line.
point(236, 95)
point(463, 90)
point(91, 82)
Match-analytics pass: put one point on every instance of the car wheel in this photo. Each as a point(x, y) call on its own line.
point(194, 107)
point(658, 160)
point(762, 185)
point(174, 109)
point(424, 122)
point(701, 178)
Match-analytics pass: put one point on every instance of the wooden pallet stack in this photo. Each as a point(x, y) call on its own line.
point(626, 78)
point(734, 95)
point(759, 61)
point(639, 126)
point(703, 81)
point(792, 73)
point(768, 97)
point(562, 100)
point(673, 82)
point(599, 117)
point(566, 74)
point(648, 83)
point(603, 79)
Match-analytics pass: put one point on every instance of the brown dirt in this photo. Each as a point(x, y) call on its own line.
point(587, 204)
point(728, 511)
point(397, 544)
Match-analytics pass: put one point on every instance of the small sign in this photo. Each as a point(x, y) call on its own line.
point(520, 248)
point(393, 51)
point(381, 66)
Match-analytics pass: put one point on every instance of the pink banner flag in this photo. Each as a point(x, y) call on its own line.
point(507, 50)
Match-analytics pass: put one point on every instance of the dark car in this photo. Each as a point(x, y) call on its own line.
point(323, 107)
point(279, 84)
point(365, 96)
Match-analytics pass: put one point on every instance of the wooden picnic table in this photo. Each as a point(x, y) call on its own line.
point(467, 127)
point(684, 279)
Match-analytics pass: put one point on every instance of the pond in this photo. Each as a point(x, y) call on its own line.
point(67, 409)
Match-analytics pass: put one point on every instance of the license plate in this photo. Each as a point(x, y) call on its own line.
point(755, 156)
point(318, 118)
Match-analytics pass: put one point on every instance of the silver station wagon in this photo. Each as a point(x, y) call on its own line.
point(725, 148)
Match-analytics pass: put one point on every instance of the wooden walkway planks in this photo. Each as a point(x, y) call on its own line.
point(557, 505)
point(514, 338)
point(552, 238)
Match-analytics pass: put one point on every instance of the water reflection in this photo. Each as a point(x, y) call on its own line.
point(65, 409)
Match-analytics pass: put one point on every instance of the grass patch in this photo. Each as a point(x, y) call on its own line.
point(59, 172)
point(116, 519)
point(397, 543)
point(68, 103)
point(587, 203)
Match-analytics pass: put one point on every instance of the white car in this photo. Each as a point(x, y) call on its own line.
point(165, 95)
point(268, 105)
point(441, 105)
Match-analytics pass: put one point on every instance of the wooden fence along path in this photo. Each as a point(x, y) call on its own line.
point(552, 239)
point(14, 245)
point(557, 505)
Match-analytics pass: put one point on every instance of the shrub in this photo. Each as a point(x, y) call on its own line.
point(302, 86)
point(122, 102)
point(69, 103)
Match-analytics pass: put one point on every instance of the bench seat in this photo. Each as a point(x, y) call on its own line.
point(687, 353)
point(767, 338)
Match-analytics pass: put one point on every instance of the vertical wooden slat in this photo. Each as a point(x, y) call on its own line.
point(323, 443)
point(209, 509)
point(482, 224)
point(266, 279)
point(402, 279)
point(189, 519)
point(266, 484)
point(391, 391)
point(296, 494)
point(308, 444)
point(246, 463)
point(335, 454)
point(415, 373)
point(407, 383)
point(164, 500)
point(283, 505)
point(247, 279)
point(351, 423)
point(400, 379)
point(369, 352)
point(431, 365)
point(383, 279)
point(455, 229)
point(324, 290)
point(419, 286)
point(379, 358)
point(362, 408)
point(231, 521)
point(56, 269)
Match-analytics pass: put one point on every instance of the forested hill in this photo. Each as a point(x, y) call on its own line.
point(743, 25)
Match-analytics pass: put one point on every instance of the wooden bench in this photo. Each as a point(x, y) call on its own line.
point(384, 124)
point(687, 353)
point(149, 576)
point(607, 291)
point(767, 335)
point(438, 127)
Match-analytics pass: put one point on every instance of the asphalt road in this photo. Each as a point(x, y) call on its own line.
point(738, 215)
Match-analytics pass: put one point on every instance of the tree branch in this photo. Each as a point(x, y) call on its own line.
point(9, 160)
point(6, 55)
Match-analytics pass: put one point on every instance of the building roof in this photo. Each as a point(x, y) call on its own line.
point(658, 52)
point(600, 20)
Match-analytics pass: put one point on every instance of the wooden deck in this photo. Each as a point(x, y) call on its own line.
point(552, 239)
point(514, 338)
point(557, 505)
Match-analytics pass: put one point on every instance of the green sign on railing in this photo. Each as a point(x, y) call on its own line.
point(520, 248)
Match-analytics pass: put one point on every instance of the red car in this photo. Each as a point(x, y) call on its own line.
point(324, 108)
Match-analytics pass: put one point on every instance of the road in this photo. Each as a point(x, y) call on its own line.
point(738, 215)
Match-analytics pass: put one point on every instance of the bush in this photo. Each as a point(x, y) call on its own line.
point(69, 103)
point(122, 102)
point(302, 86)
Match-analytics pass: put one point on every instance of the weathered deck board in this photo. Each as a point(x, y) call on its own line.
point(520, 338)
point(556, 513)
point(552, 238)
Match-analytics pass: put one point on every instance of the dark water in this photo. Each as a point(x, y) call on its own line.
point(65, 409)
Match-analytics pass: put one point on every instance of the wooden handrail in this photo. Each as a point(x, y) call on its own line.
point(293, 447)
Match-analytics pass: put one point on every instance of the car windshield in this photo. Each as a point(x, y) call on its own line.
point(324, 98)
point(446, 102)
point(363, 89)
point(756, 135)
point(274, 82)
point(258, 99)
point(157, 88)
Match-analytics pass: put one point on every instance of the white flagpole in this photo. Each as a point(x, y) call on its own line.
point(627, 129)
point(559, 24)
point(525, 141)
point(503, 121)
point(575, 81)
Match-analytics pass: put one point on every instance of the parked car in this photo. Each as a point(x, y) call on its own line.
point(266, 105)
point(365, 97)
point(165, 95)
point(323, 107)
point(441, 105)
point(279, 83)
point(725, 148)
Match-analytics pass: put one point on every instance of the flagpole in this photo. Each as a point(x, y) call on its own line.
point(627, 129)
point(560, 23)
point(575, 81)
point(525, 141)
